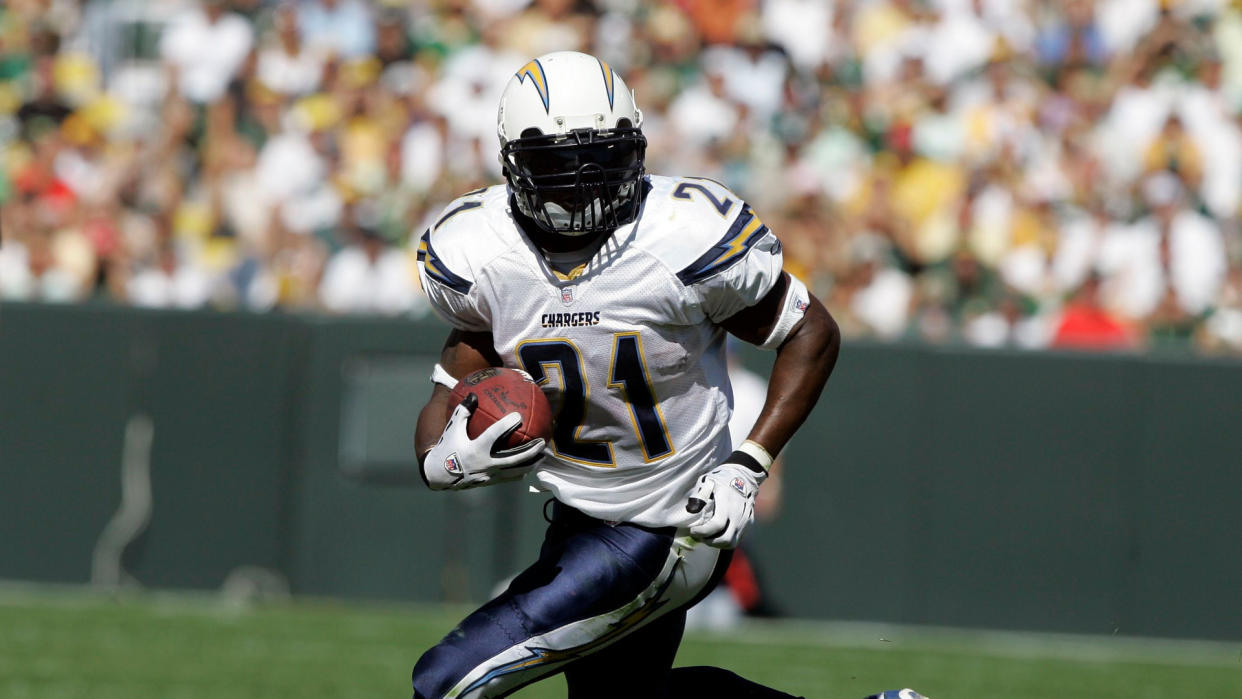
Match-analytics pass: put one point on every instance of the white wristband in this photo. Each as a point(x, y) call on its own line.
point(442, 377)
point(756, 451)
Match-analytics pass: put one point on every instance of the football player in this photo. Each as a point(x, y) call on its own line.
point(614, 289)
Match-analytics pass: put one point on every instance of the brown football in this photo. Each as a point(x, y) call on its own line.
point(502, 391)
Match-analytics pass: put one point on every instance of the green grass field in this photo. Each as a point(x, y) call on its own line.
point(68, 643)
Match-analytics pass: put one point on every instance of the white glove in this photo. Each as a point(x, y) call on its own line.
point(725, 503)
point(457, 462)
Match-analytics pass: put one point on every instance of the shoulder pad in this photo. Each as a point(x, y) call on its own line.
point(743, 233)
point(437, 269)
point(461, 240)
point(709, 228)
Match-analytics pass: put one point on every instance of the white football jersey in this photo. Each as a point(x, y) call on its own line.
point(628, 350)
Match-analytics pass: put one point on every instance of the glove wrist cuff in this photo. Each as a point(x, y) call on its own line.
point(747, 459)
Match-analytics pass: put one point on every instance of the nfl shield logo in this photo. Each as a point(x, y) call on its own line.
point(567, 295)
point(451, 464)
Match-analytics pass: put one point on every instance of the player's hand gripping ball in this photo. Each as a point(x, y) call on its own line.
point(502, 391)
point(498, 424)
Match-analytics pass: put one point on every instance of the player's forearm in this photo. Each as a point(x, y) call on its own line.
point(431, 422)
point(803, 364)
point(463, 353)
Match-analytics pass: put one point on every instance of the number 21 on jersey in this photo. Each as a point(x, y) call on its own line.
point(627, 374)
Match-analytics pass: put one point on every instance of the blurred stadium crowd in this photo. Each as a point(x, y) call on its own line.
point(997, 172)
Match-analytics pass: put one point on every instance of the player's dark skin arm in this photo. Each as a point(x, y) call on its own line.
point(803, 363)
point(463, 353)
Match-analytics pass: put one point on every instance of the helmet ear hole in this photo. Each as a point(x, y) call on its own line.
point(624, 123)
point(531, 132)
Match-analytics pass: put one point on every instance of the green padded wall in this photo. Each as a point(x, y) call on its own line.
point(936, 486)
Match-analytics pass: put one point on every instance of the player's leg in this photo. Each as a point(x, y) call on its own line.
point(636, 666)
point(641, 664)
point(593, 584)
point(706, 681)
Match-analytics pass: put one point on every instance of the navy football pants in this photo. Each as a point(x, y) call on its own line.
point(604, 603)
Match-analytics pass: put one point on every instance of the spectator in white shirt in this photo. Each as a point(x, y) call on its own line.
point(32, 272)
point(205, 47)
point(804, 29)
point(960, 42)
point(704, 113)
point(289, 67)
point(754, 75)
point(369, 275)
point(1175, 250)
point(169, 284)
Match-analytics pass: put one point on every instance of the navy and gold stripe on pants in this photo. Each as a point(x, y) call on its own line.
point(593, 584)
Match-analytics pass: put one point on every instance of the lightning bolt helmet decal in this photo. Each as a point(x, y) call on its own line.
point(539, 79)
point(608, 84)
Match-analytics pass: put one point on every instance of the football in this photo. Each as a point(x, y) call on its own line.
point(502, 391)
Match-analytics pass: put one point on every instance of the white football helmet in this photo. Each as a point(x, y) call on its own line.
point(571, 144)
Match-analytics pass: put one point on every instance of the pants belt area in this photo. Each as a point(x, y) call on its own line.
point(558, 512)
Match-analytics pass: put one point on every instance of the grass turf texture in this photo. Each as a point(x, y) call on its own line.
point(69, 643)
